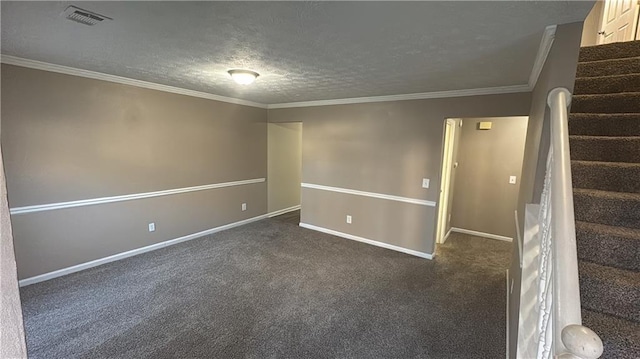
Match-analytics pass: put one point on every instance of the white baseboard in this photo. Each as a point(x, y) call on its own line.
point(133, 252)
point(446, 236)
point(481, 234)
point(283, 211)
point(368, 241)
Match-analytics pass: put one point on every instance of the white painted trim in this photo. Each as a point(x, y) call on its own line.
point(412, 96)
point(127, 197)
point(367, 241)
point(507, 305)
point(133, 252)
point(370, 194)
point(283, 211)
point(39, 65)
point(541, 56)
point(446, 236)
point(519, 239)
point(482, 234)
point(548, 36)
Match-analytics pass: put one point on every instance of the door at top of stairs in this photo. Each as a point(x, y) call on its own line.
point(619, 21)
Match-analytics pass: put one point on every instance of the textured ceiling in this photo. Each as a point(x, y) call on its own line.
point(303, 50)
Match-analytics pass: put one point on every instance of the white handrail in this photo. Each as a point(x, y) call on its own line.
point(569, 339)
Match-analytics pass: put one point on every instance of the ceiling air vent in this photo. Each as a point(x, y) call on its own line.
point(83, 16)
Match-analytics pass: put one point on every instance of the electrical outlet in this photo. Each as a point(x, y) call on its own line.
point(152, 227)
point(425, 183)
point(244, 207)
point(348, 219)
point(512, 179)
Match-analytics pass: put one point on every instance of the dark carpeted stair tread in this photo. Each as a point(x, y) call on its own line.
point(626, 102)
point(607, 84)
point(604, 207)
point(609, 245)
point(606, 176)
point(604, 124)
point(610, 290)
point(605, 148)
point(621, 338)
point(610, 51)
point(629, 65)
point(604, 128)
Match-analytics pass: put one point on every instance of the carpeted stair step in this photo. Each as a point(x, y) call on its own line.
point(617, 50)
point(610, 208)
point(628, 102)
point(608, 245)
point(605, 148)
point(621, 338)
point(604, 124)
point(606, 176)
point(629, 65)
point(607, 84)
point(610, 290)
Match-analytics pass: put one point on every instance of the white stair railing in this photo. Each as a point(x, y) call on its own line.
point(560, 333)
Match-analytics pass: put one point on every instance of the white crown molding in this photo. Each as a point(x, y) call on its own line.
point(39, 65)
point(368, 241)
point(481, 234)
point(541, 57)
point(127, 197)
point(369, 194)
point(548, 36)
point(133, 252)
point(404, 97)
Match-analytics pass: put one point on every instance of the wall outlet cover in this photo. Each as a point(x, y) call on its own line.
point(425, 183)
point(244, 207)
point(152, 227)
point(349, 219)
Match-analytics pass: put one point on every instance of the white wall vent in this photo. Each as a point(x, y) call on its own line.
point(83, 16)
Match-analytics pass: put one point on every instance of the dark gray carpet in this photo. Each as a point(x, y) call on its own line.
point(605, 150)
point(274, 290)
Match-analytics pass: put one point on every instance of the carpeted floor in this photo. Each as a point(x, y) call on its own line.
point(271, 289)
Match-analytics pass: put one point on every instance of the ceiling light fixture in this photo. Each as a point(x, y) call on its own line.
point(243, 77)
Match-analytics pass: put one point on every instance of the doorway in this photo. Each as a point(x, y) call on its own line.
point(619, 21)
point(445, 180)
point(612, 21)
point(284, 167)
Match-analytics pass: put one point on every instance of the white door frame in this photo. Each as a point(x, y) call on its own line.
point(448, 140)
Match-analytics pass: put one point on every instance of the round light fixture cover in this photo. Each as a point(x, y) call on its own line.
point(243, 77)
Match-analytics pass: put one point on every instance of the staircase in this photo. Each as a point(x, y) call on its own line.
point(604, 128)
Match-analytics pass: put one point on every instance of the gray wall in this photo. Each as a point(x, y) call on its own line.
point(486, 160)
point(559, 70)
point(284, 165)
point(68, 138)
point(382, 148)
point(592, 25)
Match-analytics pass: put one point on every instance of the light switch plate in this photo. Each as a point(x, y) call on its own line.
point(244, 206)
point(512, 179)
point(349, 219)
point(425, 183)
